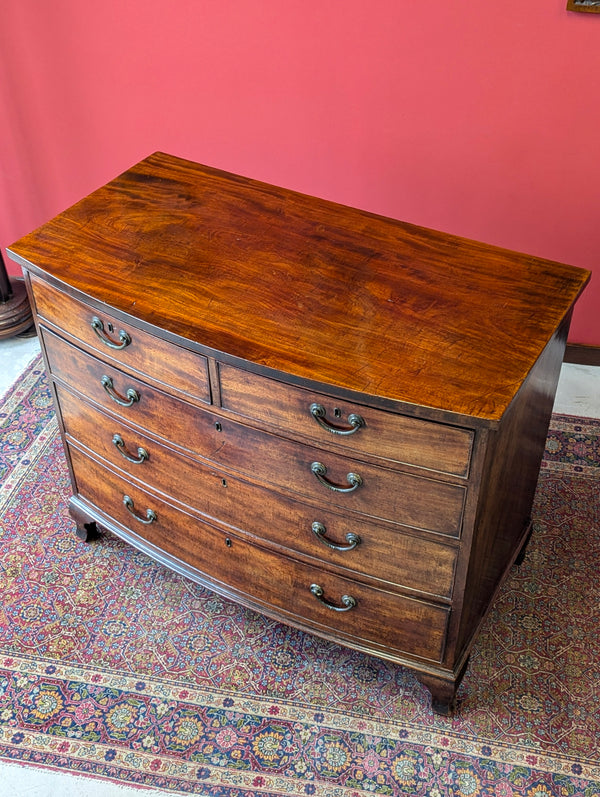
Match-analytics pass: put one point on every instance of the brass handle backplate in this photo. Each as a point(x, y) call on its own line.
point(130, 397)
point(142, 454)
point(347, 600)
point(318, 412)
point(352, 539)
point(151, 516)
point(353, 479)
point(98, 327)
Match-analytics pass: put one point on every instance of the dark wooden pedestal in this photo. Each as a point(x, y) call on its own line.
point(15, 312)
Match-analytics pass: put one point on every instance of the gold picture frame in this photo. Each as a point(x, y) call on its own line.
point(587, 6)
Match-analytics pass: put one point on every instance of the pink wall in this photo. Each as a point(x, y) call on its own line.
point(473, 117)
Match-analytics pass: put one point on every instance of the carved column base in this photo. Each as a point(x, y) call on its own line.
point(15, 312)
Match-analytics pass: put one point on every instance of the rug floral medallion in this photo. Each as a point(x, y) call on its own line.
point(113, 667)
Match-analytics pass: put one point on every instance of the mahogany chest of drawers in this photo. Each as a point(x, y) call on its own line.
point(334, 418)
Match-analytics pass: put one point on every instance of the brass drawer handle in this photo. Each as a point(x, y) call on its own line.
point(353, 479)
point(352, 539)
point(98, 328)
point(142, 454)
point(318, 412)
point(151, 516)
point(348, 601)
point(131, 396)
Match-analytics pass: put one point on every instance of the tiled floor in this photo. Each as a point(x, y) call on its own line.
point(578, 391)
point(578, 394)
point(15, 355)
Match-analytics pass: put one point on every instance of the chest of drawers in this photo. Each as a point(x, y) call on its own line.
point(334, 418)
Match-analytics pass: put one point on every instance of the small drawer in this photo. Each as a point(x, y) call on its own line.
point(260, 577)
point(411, 562)
point(403, 498)
point(128, 346)
point(358, 428)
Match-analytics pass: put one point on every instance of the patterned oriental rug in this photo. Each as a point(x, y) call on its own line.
point(115, 668)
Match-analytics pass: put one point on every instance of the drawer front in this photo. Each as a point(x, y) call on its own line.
point(402, 498)
point(264, 577)
point(414, 562)
point(374, 432)
point(164, 362)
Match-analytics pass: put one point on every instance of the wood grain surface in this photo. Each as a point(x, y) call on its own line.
point(310, 288)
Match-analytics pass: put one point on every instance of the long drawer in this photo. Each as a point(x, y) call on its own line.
point(336, 480)
point(138, 351)
point(358, 429)
point(263, 577)
point(414, 562)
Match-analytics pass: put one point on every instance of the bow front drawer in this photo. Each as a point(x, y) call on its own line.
point(324, 601)
point(307, 472)
point(378, 551)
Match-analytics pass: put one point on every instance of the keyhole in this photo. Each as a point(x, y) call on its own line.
point(337, 412)
point(224, 482)
point(110, 327)
point(218, 427)
point(228, 542)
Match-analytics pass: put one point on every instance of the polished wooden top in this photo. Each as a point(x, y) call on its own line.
point(314, 289)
